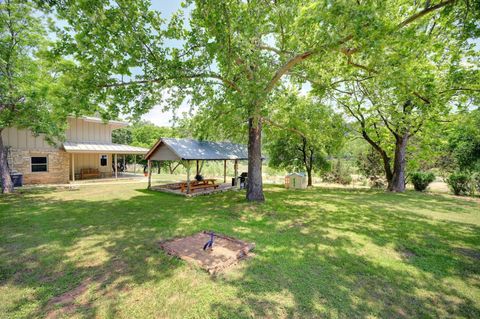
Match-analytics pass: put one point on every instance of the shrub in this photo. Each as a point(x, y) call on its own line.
point(476, 182)
point(459, 183)
point(420, 180)
point(340, 174)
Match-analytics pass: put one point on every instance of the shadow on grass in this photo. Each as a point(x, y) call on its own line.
point(320, 253)
point(322, 263)
point(64, 248)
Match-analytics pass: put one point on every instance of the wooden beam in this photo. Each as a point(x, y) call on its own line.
point(197, 169)
point(73, 167)
point(187, 166)
point(149, 174)
point(116, 167)
point(235, 168)
point(224, 171)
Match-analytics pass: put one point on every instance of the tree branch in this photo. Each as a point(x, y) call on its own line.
point(272, 123)
point(273, 49)
point(227, 82)
point(307, 54)
point(423, 13)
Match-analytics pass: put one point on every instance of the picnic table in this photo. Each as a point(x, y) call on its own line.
point(203, 184)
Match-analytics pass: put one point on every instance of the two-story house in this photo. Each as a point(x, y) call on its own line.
point(88, 147)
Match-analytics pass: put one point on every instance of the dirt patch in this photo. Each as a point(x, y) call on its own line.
point(226, 251)
point(472, 253)
point(72, 300)
point(65, 303)
point(406, 253)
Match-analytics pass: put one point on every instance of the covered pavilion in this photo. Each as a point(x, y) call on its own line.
point(189, 151)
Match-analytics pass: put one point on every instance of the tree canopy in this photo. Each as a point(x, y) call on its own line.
point(36, 90)
point(395, 66)
point(302, 133)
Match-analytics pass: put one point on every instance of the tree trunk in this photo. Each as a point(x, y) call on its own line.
point(307, 162)
point(309, 174)
point(385, 159)
point(7, 185)
point(399, 162)
point(255, 184)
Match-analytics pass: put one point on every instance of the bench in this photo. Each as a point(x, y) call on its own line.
point(89, 173)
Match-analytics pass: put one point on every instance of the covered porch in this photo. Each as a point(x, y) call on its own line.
point(192, 154)
point(101, 160)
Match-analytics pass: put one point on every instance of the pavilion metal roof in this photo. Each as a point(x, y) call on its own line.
point(189, 149)
point(101, 147)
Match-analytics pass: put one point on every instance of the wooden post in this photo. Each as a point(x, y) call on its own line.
point(135, 164)
point(116, 167)
point(73, 167)
point(188, 176)
point(123, 158)
point(197, 168)
point(235, 169)
point(149, 173)
point(224, 171)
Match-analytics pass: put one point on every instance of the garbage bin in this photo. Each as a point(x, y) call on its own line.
point(17, 179)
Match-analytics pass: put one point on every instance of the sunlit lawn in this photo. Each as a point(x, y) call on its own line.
point(320, 253)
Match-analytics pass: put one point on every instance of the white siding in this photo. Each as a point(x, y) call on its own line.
point(84, 131)
point(24, 139)
point(78, 130)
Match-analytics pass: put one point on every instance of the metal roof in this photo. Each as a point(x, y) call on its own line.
point(100, 147)
point(189, 149)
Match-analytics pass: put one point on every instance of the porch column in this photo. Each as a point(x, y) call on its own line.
point(124, 167)
point(116, 167)
point(135, 164)
point(235, 169)
point(188, 176)
point(73, 167)
point(224, 171)
point(149, 164)
point(197, 168)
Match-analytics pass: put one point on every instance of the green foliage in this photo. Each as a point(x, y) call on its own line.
point(340, 173)
point(370, 164)
point(460, 183)
point(143, 134)
point(464, 142)
point(400, 63)
point(421, 180)
point(476, 182)
point(302, 133)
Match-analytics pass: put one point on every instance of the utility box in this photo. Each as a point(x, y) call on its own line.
point(296, 181)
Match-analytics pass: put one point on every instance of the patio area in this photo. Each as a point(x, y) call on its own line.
point(175, 188)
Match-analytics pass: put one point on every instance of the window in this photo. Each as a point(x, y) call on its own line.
point(103, 160)
point(39, 164)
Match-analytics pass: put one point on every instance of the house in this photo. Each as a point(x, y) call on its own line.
point(88, 151)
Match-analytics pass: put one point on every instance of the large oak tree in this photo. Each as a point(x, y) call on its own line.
point(231, 56)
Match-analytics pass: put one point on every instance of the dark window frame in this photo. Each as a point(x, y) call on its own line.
point(106, 160)
point(37, 165)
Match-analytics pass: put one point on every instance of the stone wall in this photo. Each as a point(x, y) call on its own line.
point(58, 166)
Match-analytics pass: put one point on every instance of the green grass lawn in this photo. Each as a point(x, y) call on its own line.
point(320, 253)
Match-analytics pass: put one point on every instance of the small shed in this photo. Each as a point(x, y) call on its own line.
point(296, 181)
